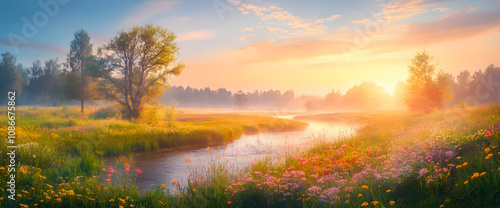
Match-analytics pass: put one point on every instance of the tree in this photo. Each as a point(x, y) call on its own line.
point(44, 82)
point(139, 63)
point(241, 100)
point(10, 77)
point(426, 90)
point(80, 51)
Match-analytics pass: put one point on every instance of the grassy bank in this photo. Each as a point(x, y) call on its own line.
point(449, 159)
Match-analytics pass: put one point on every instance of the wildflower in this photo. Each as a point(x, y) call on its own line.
point(482, 174)
point(364, 187)
point(392, 202)
point(466, 182)
point(430, 180)
point(360, 195)
point(441, 206)
point(465, 164)
point(111, 200)
point(229, 202)
point(458, 158)
point(388, 191)
point(423, 171)
point(23, 206)
point(475, 175)
point(459, 166)
point(375, 203)
point(364, 204)
point(489, 156)
point(487, 150)
point(138, 171)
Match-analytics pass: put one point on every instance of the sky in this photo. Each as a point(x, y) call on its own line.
point(311, 47)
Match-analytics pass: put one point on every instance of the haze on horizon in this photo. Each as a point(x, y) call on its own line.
point(309, 47)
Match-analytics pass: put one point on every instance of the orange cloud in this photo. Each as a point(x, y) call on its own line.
point(196, 35)
point(291, 25)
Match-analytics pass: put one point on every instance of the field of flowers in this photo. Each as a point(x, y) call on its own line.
point(446, 159)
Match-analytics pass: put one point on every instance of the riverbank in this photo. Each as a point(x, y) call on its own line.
point(420, 160)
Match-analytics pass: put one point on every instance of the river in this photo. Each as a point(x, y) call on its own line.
point(159, 167)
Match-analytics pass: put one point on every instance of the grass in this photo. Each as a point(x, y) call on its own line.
point(446, 159)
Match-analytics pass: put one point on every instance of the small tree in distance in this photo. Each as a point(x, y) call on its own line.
point(425, 90)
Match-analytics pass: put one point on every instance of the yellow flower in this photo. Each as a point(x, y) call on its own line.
point(71, 193)
point(58, 199)
point(375, 203)
point(364, 187)
point(459, 166)
point(466, 182)
point(465, 164)
point(388, 191)
point(360, 195)
point(458, 158)
point(111, 200)
point(364, 204)
point(489, 156)
point(487, 150)
point(392, 202)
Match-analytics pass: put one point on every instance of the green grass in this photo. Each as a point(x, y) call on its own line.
point(61, 165)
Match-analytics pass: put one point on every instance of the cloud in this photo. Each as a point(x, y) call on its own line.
point(400, 10)
point(291, 25)
point(196, 35)
point(361, 21)
point(246, 37)
point(99, 39)
point(44, 47)
point(147, 10)
point(457, 25)
point(247, 29)
point(440, 9)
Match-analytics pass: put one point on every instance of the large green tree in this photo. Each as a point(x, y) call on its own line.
point(426, 90)
point(139, 62)
point(80, 52)
point(10, 77)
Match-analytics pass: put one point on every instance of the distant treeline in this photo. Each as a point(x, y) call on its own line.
point(206, 97)
point(50, 83)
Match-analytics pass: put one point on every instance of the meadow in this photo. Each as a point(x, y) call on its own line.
point(449, 158)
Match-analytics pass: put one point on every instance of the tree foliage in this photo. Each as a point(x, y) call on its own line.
point(426, 90)
point(139, 62)
point(10, 77)
point(80, 52)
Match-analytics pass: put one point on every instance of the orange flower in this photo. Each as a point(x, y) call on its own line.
point(392, 202)
point(364, 204)
point(388, 191)
point(375, 203)
point(364, 187)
